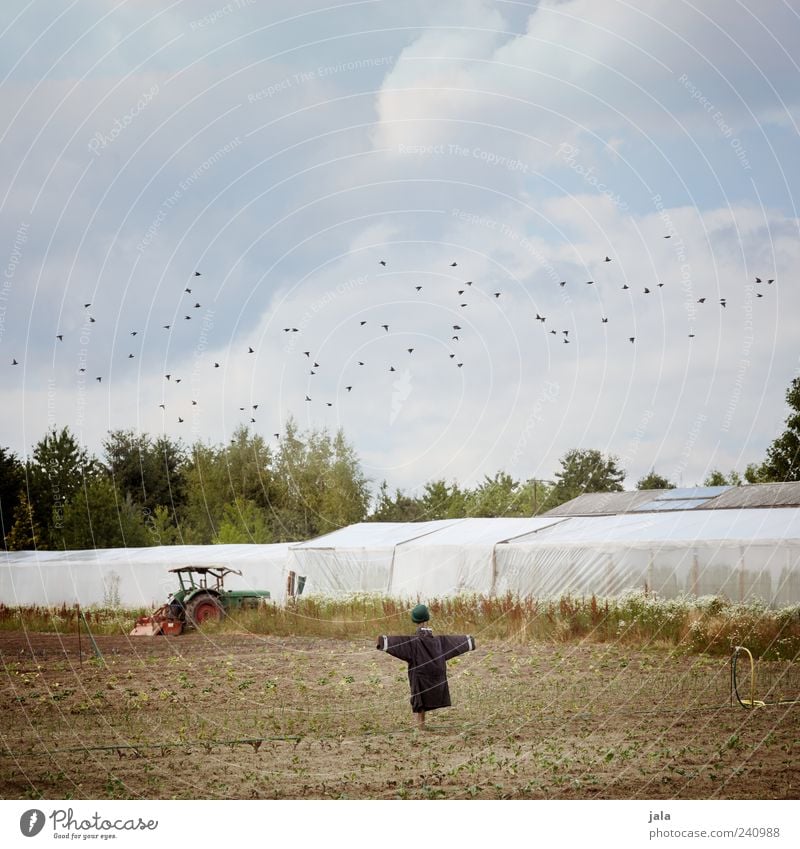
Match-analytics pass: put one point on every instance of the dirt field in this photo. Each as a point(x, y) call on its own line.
point(589, 721)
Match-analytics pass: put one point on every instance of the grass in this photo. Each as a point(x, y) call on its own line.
point(698, 626)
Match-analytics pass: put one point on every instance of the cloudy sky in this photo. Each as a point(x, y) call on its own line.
point(284, 149)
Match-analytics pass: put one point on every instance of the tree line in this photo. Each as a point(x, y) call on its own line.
point(147, 490)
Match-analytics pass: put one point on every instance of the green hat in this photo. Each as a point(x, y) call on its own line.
point(420, 614)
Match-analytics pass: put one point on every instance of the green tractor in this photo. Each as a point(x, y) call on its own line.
point(202, 596)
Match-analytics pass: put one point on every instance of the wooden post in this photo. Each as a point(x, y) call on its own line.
point(80, 652)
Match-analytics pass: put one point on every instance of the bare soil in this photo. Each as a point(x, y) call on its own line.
point(243, 717)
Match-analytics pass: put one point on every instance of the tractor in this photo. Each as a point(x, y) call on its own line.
point(202, 596)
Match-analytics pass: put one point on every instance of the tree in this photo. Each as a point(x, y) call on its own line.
point(25, 533)
point(244, 522)
point(783, 455)
point(586, 471)
point(98, 516)
point(400, 508)
point(57, 471)
point(442, 501)
point(717, 478)
point(500, 496)
point(153, 473)
point(652, 480)
point(11, 478)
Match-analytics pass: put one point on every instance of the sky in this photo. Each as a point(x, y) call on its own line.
point(373, 175)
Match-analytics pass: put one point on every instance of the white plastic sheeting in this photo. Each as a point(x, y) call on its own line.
point(457, 559)
point(740, 554)
point(358, 558)
point(136, 577)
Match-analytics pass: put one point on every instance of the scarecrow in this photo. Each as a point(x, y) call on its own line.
point(427, 658)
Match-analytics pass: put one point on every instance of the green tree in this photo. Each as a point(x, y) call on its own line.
point(244, 522)
point(58, 469)
point(500, 496)
point(12, 476)
point(397, 508)
point(652, 480)
point(152, 472)
point(586, 471)
point(99, 516)
point(717, 478)
point(25, 533)
point(783, 455)
point(441, 500)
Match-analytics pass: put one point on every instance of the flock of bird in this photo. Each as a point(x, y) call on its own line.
point(463, 291)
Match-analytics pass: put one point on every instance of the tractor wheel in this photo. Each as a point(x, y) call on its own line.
point(202, 608)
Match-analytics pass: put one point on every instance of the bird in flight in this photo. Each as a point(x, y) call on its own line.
point(189, 291)
point(166, 326)
point(349, 388)
point(14, 362)
point(418, 288)
point(385, 327)
point(646, 290)
point(604, 320)
point(383, 263)
point(180, 420)
point(410, 350)
point(60, 338)
point(701, 300)
point(197, 274)
point(563, 283)
point(631, 338)
point(607, 259)
point(363, 323)
point(497, 294)
point(134, 332)
point(625, 286)
point(453, 264)
point(250, 350)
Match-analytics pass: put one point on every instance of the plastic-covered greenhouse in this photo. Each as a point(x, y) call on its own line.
point(741, 554)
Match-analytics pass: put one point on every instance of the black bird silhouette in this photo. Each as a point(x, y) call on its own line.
point(60, 337)
point(723, 302)
point(316, 365)
point(168, 376)
point(410, 350)
point(216, 365)
point(276, 435)
point(286, 329)
point(328, 404)
point(360, 363)
point(250, 350)
point(631, 338)
point(295, 330)
point(162, 406)
point(189, 291)
point(461, 291)
point(464, 305)
point(563, 283)
point(86, 306)
point(307, 398)
point(130, 356)
point(497, 294)
point(625, 286)
point(349, 388)
point(391, 368)
point(252, 421)
point(363, 323)
point(566, 341)
point(197, 274)
point(770, 282)
point(197, 306)
point(180, 420)
point(691, 335)
point(178, 379)
point(194, 403)
point(99, 379)
point(646, 290)
point(459, 364)
point(255, 406)
point(166, 326)
point(667, 237)
point(554, 333)
point(91, 320)
point(385, 327)
point(589, 282)
point(604, 320)
point(701, 300)
point(15, 363)
point(453, 264)
point(468, 283)
point(418, 288)
point(456, 338)
point(540, 318)
point(80, 369)
point(452, 356)
point(758, 279)
point(383, 262)
point(307, 353)
point(759, 295)
point(607, 259)
point(134, 332)
point(565, 332)
point(456, 327)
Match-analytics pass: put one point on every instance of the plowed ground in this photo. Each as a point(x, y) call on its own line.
point(171, 718)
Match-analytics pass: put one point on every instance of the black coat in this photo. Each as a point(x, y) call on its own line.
point(427, 658)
